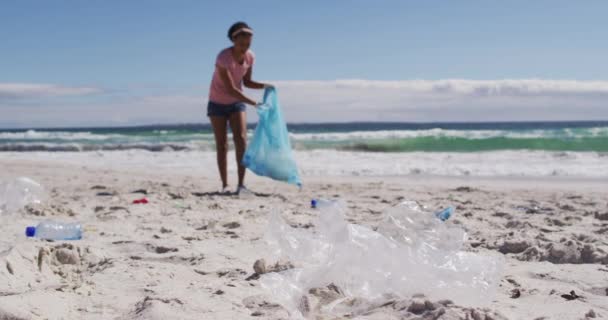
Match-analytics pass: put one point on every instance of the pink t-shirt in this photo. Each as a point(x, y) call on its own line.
point(218, 93)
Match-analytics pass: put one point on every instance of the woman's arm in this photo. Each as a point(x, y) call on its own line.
point(252, 84)
point(232, 90)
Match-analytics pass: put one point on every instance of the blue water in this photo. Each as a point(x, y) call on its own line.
point(369, 137)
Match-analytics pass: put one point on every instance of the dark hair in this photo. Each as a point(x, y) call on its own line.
point(235, 27)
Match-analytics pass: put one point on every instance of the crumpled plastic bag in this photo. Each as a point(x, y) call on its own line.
point(269, 152)
point(16, 194)
point(412, 252)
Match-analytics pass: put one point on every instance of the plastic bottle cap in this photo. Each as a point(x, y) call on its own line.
point(30, 231)
point(313, 203)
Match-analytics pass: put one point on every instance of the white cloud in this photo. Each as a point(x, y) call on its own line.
point(333, 101)
point(157, 109)
point(444, 100)
point(175, 100)
point(508, 87)
point(32, 90)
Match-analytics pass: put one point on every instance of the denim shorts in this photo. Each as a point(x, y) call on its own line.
point(224, 110)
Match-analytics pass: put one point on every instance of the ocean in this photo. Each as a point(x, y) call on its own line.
point(363, 137)
point(532, 149)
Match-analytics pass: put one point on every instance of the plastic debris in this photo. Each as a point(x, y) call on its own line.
point(269, 152)
point(55, 230)
point(444, 214)
point(321, 202)
point(17, 193)
point(140, 201)
point(412, 252)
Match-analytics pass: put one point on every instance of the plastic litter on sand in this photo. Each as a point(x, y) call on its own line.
point(55, 230)
point(16, 194)
point(412, 252)
point(140, 201)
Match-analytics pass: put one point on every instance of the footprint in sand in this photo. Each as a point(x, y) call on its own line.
point(260, 307)
point(152, 307)
point(160, 249)
point(231, 225)
point(601, 216)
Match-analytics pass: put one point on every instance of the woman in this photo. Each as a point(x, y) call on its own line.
point(233, 68)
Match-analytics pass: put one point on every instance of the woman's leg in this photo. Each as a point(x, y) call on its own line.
point(238, 124)
point(221, 146)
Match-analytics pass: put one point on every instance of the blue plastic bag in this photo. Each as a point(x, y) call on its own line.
point(269, 152)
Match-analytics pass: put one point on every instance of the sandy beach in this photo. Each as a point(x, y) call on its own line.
point(189, 252)
point(404, 160)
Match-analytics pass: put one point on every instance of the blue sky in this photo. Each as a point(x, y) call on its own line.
point(124, 54)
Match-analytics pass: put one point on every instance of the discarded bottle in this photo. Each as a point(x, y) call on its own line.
point(444, 214)
point(53, 230)
point(322, 203)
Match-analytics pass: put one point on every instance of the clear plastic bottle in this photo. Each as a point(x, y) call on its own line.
point(322, 203)
point(54, 230)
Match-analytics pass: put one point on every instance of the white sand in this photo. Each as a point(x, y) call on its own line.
point(187, 253)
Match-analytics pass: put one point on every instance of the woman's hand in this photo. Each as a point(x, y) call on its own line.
point(268, 86)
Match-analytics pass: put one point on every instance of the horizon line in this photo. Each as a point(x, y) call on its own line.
point(135, 126)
